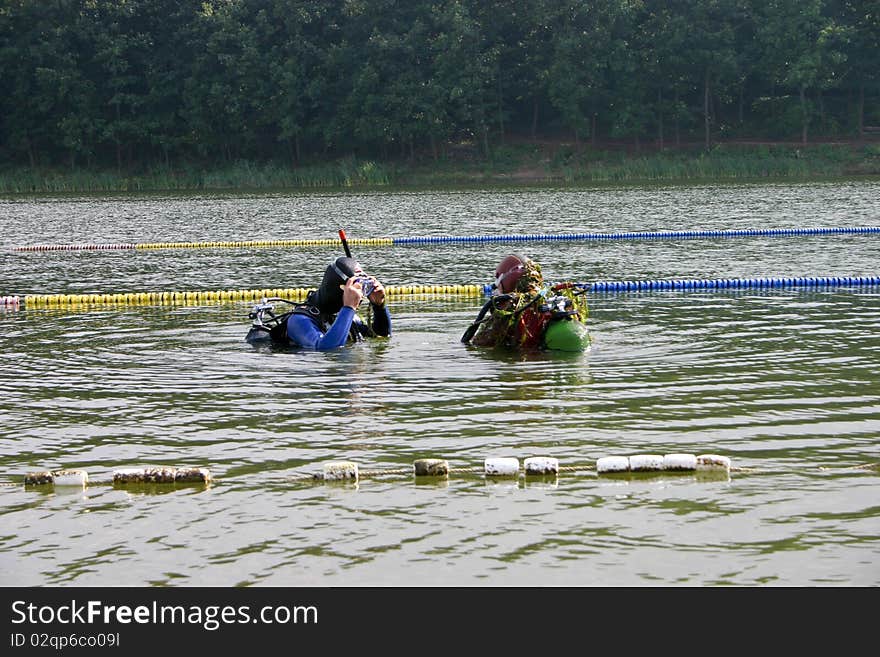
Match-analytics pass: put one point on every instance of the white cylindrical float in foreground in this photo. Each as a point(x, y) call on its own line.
point(431, 468)
point(541, 465)
point(78, 478)
point(713, 462)
point(646, 462)
point(192, 476)
point(161, 475)
point(679, 462)
point(341, 471)
point(608, 464)
point(501, 466)
point(143, 476)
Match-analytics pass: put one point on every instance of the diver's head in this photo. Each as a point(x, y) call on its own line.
point(329, 295)
point(516, 273)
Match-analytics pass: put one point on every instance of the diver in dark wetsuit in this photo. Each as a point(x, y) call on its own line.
point(327, 319)
point(525, 313)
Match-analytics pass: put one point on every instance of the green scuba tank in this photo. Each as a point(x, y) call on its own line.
point(566, 335)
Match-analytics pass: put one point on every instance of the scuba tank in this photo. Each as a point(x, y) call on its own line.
point(566, 335)
point(266, 325)
point(563, 329)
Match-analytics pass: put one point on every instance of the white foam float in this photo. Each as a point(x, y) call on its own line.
point(541, 465)
point(646, 462)
point(161, 475)
point(340, 471)
point(501, 466)
point(679, 462)
point(67, 478)
point(192, 475)
point(610, 464)
point(431, 468)
point(713, 462)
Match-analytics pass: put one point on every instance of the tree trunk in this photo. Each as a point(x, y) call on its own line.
point(861, 111)
point(500, 110)
point(741, 103)
point(534, 117)
point(660, 118)
point(803, 95)
point(706, 108)
point(675, 125)
point(118, 145)
point(484, 128)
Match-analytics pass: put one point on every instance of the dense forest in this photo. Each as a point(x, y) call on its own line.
point(129, 83)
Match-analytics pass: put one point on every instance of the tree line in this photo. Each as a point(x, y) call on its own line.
point(87, 83)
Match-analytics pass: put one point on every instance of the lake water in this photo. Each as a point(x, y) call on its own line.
point(786, 383)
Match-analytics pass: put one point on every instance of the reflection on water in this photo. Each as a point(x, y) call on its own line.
point(784, 382)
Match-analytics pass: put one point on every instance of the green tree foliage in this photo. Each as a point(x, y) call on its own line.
point(136, 83)
point(858, 38)
point(794, 53)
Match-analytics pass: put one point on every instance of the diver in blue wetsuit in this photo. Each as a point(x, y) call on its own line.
point(327, 319)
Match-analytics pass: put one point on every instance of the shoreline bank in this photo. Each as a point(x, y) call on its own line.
point(523, 163)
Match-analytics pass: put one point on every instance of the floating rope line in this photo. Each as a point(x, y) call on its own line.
point(709, 465)
point(441, 239)
point(349, 471)
point(639, 235)
point(146, 246)
point(211, 297)
point(728, 283)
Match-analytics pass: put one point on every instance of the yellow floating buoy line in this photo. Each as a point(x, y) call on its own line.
point(446, 239)
point(228, 244)
point(378, 241)
point(212, 297)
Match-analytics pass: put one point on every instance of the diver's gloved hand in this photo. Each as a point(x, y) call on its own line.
point(352, 293)
point(377, 296)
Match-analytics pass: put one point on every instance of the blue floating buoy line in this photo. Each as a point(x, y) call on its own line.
point(730, 283)
point(219, 296)
point(636, 235)
point(777, 282)
point(17, 301)
point(440, 239)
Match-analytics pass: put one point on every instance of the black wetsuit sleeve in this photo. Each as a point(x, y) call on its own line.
point(381, 321)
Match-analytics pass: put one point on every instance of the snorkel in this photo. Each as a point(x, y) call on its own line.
point(367, 285)
point(344, 242)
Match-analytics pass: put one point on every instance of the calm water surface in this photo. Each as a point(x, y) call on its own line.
point(785, 382)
